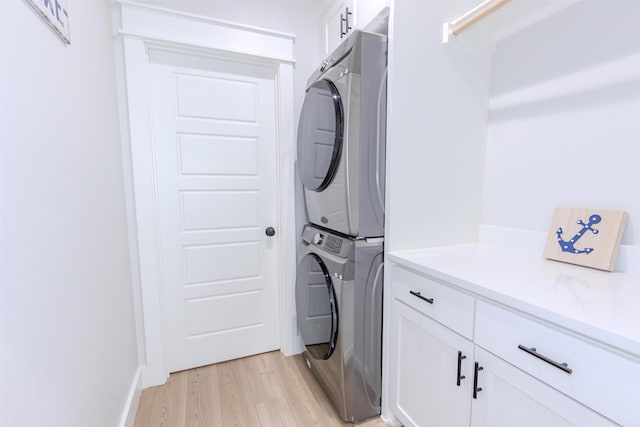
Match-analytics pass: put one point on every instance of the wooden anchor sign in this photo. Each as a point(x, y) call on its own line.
point(589, 246)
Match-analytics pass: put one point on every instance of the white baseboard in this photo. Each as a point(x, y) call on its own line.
point(133, 399)
point(292, 346)
point(390, 420)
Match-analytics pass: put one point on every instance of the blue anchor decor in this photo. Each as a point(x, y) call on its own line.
point(597, 238)
point(569, 246)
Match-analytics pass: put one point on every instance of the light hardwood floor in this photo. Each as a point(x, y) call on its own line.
point(258, 391)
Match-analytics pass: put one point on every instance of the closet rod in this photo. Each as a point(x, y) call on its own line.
point(474, 15)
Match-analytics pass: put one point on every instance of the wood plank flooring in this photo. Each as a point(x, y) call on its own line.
point(258, 391)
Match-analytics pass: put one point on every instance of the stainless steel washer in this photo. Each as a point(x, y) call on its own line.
point(339, 315)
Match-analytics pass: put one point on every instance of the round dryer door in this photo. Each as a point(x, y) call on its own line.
point(320, 135)
point(316, 307)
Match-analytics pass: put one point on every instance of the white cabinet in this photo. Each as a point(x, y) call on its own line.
point(432, 366)
point(435, 373)
point(457, 359)
point(589, 373)
point(432, 372)
point(343, 16)
point(334, 27)
point(509, 397)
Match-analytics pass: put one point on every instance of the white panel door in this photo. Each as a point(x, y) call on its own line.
point(215, 154)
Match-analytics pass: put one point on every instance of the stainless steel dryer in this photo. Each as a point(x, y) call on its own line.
point(339, 312)
point(341, 138)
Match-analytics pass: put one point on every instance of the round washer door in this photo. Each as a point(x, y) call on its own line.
point(320, 135)
point(316, 307)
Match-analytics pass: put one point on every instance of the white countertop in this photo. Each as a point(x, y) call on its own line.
point(601, 305)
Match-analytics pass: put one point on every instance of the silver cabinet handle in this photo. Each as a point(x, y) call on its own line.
point(344, 19)
point(348, 27)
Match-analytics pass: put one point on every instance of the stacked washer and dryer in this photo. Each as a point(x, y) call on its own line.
point(341, 158)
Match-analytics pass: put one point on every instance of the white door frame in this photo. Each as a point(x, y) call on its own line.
point(144, 27)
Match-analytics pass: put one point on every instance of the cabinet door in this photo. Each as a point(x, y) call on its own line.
point(333, 27)
point(424, 388)
point(510, 397)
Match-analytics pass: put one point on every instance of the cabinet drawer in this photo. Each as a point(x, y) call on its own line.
point(605, 381)
point(450, 307)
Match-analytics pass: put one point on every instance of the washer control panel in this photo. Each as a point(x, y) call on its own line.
point(333, 244)
point(324, 240)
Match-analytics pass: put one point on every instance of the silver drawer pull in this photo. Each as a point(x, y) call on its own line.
point(532, 351)
point(417, 294)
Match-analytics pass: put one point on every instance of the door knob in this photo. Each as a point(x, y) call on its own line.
point(270, 231)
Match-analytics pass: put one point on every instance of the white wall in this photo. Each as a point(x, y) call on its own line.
point(436, 129)
point(564, 126)
point(549, 118)
point(67, 340)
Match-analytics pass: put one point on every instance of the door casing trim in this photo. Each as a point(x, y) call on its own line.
point(145, 27)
